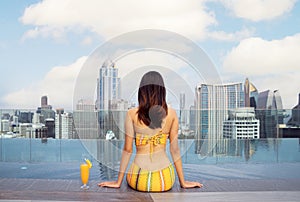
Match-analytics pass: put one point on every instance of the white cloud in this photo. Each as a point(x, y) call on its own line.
point(236, 36)
point(257, 10)
point(87, 41)
point(256, 56)
point(58, 85)
point(110, 18)
point(274, 63)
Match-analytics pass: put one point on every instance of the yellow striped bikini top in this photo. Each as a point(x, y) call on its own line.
point(142, 139)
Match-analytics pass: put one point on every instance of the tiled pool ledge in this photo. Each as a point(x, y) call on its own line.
point(69, 190)
point(60, 182)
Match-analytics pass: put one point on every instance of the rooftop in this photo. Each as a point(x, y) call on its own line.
point(222, 182)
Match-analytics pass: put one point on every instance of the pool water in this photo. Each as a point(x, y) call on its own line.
point(226, 159)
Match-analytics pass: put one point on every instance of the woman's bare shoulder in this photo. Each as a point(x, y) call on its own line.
point(132, 112)
point(172, 113)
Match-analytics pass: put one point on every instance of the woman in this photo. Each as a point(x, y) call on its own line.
point(150, 125)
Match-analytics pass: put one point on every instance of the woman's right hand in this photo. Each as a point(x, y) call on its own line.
point(111, 184)
point(188, 184)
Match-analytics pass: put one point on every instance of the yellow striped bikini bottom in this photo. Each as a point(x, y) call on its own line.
point(151, 181)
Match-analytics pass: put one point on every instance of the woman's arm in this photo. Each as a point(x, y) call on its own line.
point(175, 153)
point(126, 154)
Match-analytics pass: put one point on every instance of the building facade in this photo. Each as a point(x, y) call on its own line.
point(108, 85)
point(85, 117)
point(212, 105)
point(270, 113)
point(241, 124)
point(64, 125)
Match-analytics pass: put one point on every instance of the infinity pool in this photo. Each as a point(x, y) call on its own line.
point(226, 159)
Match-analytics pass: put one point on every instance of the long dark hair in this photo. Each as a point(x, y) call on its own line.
point(152, 100)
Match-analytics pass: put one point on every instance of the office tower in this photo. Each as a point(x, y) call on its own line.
point(58, 123)
point(25, 117)
point(5, 116)
point(4, 125)
point(192, 122)
point(39, 130)
point(295, 119)
point(44, 103)
point(241, 124)
point(292, 128)
point(86, 120)
point(269, 111)
point(108, 92)
point(247, 93)
point(64, 125)
point(251, 94)
point(45, 111)
point(50, 125)
point(212, 105)
point(108, 86)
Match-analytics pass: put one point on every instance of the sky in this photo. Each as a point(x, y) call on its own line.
point(44, 44)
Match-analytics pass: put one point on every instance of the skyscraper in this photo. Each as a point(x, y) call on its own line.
point(292, 128)
point(212, 105)
point(269, 111)
point(85, 120)
point(64, 125)
point(108, 86)
point(295, 119)
point(108, 93)
point(44, 103)
point(251, 94)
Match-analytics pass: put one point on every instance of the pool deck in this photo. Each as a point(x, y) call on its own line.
point(17, 189)
point(222, 182)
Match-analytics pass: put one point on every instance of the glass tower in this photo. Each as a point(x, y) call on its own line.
point(212, 105)
point(108, 86)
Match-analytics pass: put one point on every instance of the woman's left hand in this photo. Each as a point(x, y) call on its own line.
point(111, 184)
point(188, 184)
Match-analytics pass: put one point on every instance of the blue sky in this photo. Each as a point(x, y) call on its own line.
point(43, 44)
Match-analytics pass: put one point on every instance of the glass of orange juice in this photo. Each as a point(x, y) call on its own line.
point(84, 174)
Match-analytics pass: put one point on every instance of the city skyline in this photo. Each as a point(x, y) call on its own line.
point(42, 52)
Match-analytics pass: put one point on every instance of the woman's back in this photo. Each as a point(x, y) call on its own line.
point(151, 143)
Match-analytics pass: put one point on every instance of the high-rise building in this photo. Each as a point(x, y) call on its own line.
point(108, 93)
point(212, 105)
point(4, 125)
point(192, 119)
point(24, 116)
point(292, 128)
point(295, 119)
point(108, 86)
point(241, 124)
point(64, 125)
point(269, 111)
point(44, 103)
point(251, 94)
point(50, 125)
point(86, 120)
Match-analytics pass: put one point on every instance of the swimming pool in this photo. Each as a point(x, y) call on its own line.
point(234, 159)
